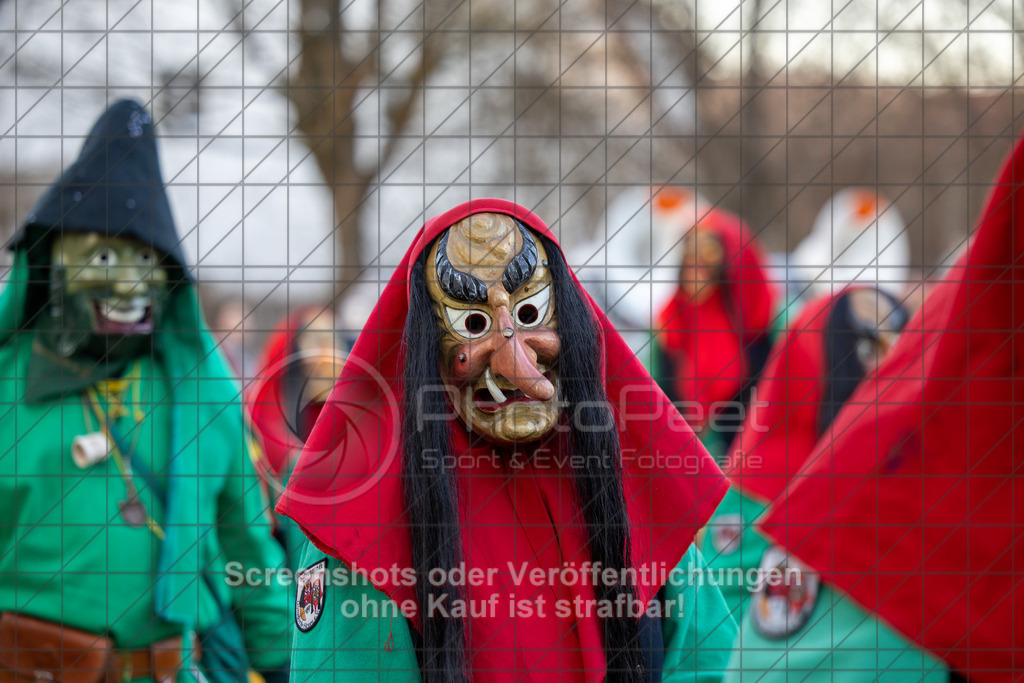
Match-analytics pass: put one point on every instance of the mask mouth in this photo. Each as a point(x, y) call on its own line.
point(124, 317)
point(485, 402)
point(498, 393)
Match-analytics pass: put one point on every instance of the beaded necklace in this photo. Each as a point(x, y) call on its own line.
point(113, 392)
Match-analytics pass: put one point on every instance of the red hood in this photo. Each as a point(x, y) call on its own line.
point(346, 490)
point(911, 508)
point(265, 395)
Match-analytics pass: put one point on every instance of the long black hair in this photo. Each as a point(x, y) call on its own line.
point(431, 491)
point(429, 487)
point(600, 499)
point(844, 370)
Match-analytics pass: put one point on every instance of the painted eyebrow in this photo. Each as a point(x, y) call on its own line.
point(456, 284)
point(521, 268)
point(464, 287)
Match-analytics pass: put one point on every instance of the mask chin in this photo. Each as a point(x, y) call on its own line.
point(516, 422)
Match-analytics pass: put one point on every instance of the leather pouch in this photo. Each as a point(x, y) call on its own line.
point(37, 650)
point(166, 660)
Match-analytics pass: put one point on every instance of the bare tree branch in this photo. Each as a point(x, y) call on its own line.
point(400, 113)
point(323, 91)
point(327, 89)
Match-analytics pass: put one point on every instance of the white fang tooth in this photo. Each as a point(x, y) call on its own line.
point(134, 312)
point(496, 394)
point(131, 315)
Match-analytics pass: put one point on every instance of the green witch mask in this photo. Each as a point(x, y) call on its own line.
point(105, 296)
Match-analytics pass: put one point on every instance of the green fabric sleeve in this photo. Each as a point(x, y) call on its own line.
point(360, 636)
point(699, 636)
point(262, 607)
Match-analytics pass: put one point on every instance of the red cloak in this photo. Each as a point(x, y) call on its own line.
point(911, 507)
point(346, 490)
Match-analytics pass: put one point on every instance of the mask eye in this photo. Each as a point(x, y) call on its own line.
point(471, 324)
point(531, 311)
point(103, 257)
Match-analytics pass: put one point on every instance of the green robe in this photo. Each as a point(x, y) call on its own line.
point(839, 643)
point(66, 553)
point(375, 644)
point(733, 548)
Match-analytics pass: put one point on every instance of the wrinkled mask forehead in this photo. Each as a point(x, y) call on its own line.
point(318, 351)
point(317, 334)
point(702, 247)
point(485, 257)
point(703, 263)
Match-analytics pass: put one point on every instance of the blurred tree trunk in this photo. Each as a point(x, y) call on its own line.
point(325, 90)
point(755, 146)
point(674, 25)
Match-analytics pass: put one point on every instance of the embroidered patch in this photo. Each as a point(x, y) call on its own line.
point(785, 596)
point(310, 595)
point(725, 533)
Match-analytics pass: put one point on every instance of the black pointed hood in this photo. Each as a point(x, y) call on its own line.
point(114, 187)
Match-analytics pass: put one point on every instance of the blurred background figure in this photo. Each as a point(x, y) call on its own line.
point(237, 172)
point(834, 342)
point(301, 359)
point(631, 266)
point(714, 332)
point(858, 236)
point(292, 137)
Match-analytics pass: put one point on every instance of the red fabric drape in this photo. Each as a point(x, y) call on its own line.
point(781, 426)
point(912, 505)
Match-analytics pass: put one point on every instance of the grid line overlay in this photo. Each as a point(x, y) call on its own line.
point(762, 108)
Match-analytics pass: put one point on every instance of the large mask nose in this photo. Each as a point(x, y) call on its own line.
point(127, 281)
point(516, 361)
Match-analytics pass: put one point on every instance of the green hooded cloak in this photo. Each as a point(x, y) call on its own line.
point(66, 552)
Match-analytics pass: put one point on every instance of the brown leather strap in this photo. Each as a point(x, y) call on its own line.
point(38, 650)
point(161, 661)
